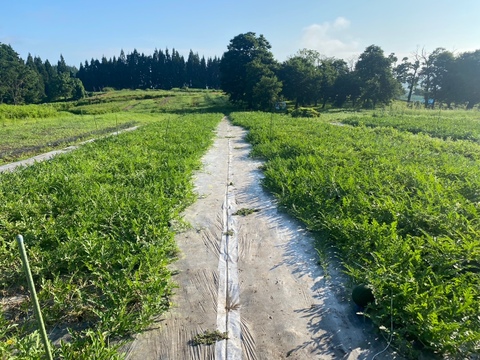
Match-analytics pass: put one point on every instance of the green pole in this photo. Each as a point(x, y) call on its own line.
point(36, 305)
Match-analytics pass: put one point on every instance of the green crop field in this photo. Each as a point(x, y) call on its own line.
point(401, 209)
point(395, 195)
point(98, 225)
point(33, 129)
point(444, 124)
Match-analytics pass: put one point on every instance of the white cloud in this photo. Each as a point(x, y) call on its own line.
point(330, 39)
point(341, 23)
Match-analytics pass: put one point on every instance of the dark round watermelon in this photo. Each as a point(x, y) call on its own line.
point(362, 295)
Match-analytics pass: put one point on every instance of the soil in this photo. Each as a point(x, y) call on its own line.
point(252, 271)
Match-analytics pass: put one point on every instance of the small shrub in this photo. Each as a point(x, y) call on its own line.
point(305, 112)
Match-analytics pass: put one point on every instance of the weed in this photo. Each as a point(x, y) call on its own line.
point(209, 337)
point(245, 211)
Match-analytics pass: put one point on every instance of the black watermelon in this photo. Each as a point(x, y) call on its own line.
point(362, 295)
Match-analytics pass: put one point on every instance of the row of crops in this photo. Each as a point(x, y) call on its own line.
point(28, 130)
point(456, 125)
point(401, 209)
point(98, 224)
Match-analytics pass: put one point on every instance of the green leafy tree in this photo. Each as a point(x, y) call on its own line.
point(429, 74)
point(374, 70)
point(444, 84)
point(468, 78)
point(299, 77)
point(65, 86)
point(407, 72)
point(330, 69)
point(347, 87)
point(258, 76)
point(266, 92)
point(247, 59)
point(78, 89)
point(308, 77)
point(18, 81)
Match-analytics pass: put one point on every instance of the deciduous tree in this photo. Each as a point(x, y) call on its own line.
point(374, 70)
point(468, 78)
point(298, 75)
point(407, 73)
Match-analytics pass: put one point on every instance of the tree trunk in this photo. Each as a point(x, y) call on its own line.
point(410, 91)
point(412, 85)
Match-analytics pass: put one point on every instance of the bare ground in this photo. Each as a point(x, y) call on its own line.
point(255, 276)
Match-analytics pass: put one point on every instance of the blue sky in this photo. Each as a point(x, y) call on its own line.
point(81, 30)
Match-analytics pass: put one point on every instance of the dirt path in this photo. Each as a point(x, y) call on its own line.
point(255, 276)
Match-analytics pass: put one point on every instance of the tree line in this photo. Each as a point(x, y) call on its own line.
point(251, 76)
point(35, 81)
point(161, 70)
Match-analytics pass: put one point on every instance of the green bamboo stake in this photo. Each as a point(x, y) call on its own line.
point(36, 305)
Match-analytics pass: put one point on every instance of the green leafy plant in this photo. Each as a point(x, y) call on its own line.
point(400, 208)
point(96, 224)
point(304, 112)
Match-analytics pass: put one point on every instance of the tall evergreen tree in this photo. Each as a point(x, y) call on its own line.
point(247, 59)
point(178, 69)
point(161, 70)
point(18, 81)
point(213, 73)
point(193, 70)
point(36, 86)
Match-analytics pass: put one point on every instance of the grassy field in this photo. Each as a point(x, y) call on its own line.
point(34, 129)
point(98, 225)
point(444, 124)
point(402, 211)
